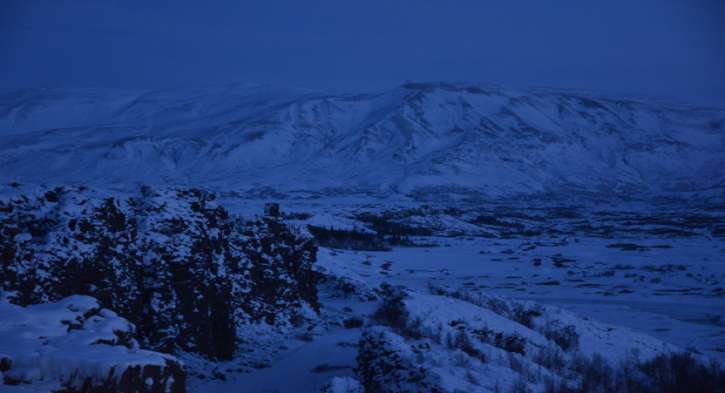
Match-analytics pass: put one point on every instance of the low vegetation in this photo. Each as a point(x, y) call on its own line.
point(667, 373)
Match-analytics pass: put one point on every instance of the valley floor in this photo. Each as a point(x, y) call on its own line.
point(668, 288)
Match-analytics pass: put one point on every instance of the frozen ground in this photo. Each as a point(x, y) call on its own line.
point(658, 272)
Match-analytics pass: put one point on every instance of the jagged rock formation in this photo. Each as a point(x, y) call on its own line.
point(174, 263)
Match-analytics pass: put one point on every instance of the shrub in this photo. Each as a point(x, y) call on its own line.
point(681, 372)
point(392, 310)
point(384, 226)
point(525, 316)
point(463, 342)
point(511, 343)
point(596, 375)
point(550, 358)
point(667, 373)
point(305, 336)
point(385, 365)
point(508, 342)
point(414, 328)
point(565, 337)
point(348, 239)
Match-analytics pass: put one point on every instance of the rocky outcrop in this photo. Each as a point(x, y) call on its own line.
point(175, 263)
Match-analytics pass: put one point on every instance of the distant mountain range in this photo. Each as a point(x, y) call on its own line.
point(416, 139)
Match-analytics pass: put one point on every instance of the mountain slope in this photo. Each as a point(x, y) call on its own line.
point(414, 138)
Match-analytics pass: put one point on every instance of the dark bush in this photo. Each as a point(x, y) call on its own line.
point(392, 310)
point(508, 342)
point(386, 227)
point(550, 358)
point(463, 342)
point(565, 337)
point(382, 367)
point(353, 323)
point(681, 372)
point(348, 239)
point(525, 316)
point(667, 373)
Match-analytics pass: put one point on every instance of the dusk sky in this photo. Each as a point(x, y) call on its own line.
point(673, 49)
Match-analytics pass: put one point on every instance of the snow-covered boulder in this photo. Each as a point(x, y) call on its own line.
point(77, 346)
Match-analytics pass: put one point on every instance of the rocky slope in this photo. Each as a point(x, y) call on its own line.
point(418, 139)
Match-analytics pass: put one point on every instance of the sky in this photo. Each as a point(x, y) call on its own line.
point(670, 49)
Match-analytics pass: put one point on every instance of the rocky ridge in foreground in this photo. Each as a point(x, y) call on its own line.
point(174, 263)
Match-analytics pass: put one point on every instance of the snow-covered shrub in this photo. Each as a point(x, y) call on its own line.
point(565, 337)
point(513, 342)
point(551, 358)
point(175, 263)
point(391, 310)
point(74, 345)
point(462, 341)
point(525, 316)
point(386, 365)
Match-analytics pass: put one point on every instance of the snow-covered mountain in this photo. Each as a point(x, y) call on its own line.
point(415, 138)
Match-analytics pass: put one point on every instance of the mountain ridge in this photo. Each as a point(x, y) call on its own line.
point(457, 138)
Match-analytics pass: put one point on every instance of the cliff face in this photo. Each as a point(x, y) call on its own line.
point(174, 263)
